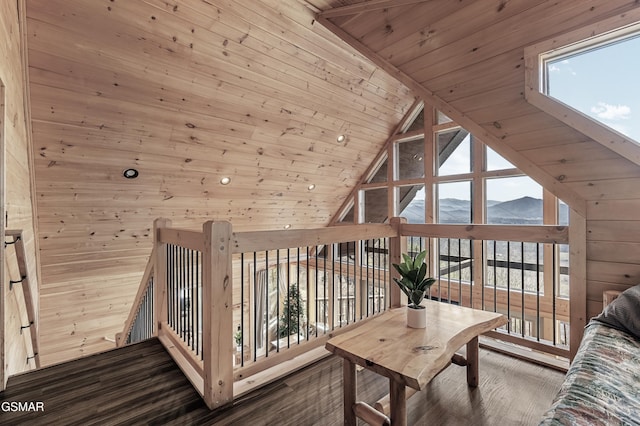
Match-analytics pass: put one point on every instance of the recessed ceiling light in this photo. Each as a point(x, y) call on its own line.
point(311, 187)
point(130, 173)
point(341, 138)
point(225, 180)
point(287, 226)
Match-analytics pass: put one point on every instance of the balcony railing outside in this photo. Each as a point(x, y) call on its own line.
point(525, 279)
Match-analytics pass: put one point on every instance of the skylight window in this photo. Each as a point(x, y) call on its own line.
point(599, 80)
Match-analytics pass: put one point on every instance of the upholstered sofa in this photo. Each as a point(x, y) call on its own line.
point(602, 385)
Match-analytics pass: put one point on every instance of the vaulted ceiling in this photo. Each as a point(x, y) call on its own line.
point(188, 92)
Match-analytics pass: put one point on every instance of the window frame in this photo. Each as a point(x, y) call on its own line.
point(573, 42)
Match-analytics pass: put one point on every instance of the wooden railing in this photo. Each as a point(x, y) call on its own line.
point(520, 271)
point(29, 301)
point(205, 290)
point(234, 306)
point(297, 288)
point(140, 323)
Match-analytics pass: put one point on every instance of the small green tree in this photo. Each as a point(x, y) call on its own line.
point(292, 311)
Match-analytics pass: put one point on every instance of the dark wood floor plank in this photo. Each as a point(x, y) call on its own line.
point(141, 384)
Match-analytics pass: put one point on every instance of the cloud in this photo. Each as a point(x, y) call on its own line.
point(604, 111)
point(554, 68)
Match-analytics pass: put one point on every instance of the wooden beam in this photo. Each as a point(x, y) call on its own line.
point(529, 233)
point(243, 242)
point(370, 415)
point(578, 279)
point(3, 371)
point(184, 358)
point(523, 163)
point(217, 336)
point(188, 239)
point(367, 6)
point(160, 274)
point(349, 379)
point(397, 246)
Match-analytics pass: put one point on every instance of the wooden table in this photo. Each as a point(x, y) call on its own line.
point(409, 357)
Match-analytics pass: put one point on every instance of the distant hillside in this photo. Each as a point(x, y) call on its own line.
point(525, 210)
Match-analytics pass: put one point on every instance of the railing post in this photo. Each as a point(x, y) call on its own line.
point(217, 333)
point(397, 246)
point(160, 275)
point(577, 277)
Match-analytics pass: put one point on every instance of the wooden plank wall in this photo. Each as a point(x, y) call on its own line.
point(17, 209)
point(186, 92)
point(190, 91)
point(469, 62)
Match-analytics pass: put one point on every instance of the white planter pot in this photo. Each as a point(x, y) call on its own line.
point(416, 318)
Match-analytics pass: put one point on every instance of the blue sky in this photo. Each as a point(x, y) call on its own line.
point(602, 83)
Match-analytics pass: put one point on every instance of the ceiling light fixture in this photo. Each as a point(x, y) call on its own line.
point(130, 173)
point(287, 226)
point(225, 180)
point(341, 138)
point(311, 187)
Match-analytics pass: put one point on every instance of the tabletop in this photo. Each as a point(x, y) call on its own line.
point(412, 356)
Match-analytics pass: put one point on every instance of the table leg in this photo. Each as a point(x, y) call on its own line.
point(349, 391)
point(397, 394)
point(472, 362)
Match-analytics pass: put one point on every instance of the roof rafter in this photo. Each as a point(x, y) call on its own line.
point(366, 6)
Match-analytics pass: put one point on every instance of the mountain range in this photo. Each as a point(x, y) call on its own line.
point(525, 210)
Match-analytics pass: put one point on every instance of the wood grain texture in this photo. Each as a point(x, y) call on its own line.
point(413, 357)
point(476, 72)
point(186, 92)
point(16, 203)
point(126, 386)
point(190, 91)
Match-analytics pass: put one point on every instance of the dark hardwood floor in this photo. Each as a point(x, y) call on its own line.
point(141, 384)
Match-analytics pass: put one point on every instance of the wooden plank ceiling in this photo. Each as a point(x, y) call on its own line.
point(190, 91)
point(467, 58)
point(185, 92)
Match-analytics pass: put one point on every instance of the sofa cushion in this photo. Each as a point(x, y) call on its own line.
point(601, 386)
point(624, 312)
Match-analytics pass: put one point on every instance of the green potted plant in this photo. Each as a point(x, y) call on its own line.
point(414, 283)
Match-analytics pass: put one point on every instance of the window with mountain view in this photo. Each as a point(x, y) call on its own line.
point(599, 80)
point(513, 200)
point(454, 202)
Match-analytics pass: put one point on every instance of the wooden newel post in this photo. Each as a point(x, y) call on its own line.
point(159, 275)
point(217, 333)
point(397, 246)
